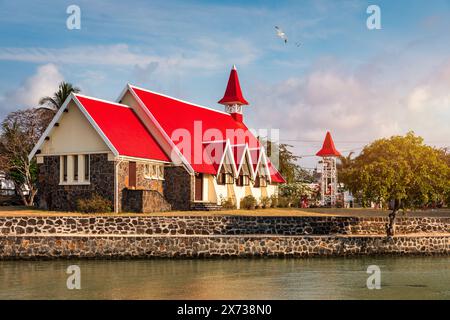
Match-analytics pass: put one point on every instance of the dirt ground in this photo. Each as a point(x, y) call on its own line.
point(26, 211)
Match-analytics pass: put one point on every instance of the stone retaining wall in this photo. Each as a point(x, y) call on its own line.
point(52, 247)
point(215, 225)
point(144, 201)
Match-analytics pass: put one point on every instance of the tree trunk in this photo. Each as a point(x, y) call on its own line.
point(390, 226)
point(28, 200)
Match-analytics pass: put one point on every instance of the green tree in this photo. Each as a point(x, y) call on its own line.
point(344, 161)
point(401, 170)
point(294, 192)
point(287, 161)
point(57, 100)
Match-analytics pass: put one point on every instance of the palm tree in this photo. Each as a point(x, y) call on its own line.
point(55, 102)
point(345, 162)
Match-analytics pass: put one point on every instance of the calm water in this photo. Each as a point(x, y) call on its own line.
point(402, 278)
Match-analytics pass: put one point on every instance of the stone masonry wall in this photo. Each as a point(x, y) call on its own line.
point(178, 188)
point(52, 247)
point(144, 201)
point(216, 225)
point(141, 181)
point(53, 196)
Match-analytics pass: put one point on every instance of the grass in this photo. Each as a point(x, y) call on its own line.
point(272, 212)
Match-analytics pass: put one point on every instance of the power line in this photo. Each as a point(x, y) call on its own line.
point(342, 151)
point(352, 141)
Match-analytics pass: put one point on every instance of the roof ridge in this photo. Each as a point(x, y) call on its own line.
point(101, 100)
point(180, 100)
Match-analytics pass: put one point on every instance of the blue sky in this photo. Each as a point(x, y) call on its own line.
point(361, 84)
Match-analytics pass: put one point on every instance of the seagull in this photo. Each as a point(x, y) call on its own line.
point(281, 34)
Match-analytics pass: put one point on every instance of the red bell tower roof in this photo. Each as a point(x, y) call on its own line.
point(233, 94)
point(328, 148)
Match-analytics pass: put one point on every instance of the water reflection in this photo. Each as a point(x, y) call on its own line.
point(339, 278)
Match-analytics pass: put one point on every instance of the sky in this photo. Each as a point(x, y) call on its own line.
point(359, 84)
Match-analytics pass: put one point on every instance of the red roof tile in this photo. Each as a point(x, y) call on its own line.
point(176, 116)
point(123, 129)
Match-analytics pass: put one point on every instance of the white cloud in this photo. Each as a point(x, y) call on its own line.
point(355, 108)
point(207, 55)
point(118, 55)
point(418, 98)
point(44, 82)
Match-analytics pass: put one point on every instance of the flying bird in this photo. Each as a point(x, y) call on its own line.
point(281, 34)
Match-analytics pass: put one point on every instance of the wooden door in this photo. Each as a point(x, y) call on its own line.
point(132, 175)
point(199, 187)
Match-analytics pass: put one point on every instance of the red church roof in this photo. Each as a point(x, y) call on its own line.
point(233, 93)
point(328, 148)
point(123, 129)
point(174, 116)
point(275, 175)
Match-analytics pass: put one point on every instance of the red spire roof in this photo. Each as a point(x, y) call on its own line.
point(233, 93)
point(328, 148)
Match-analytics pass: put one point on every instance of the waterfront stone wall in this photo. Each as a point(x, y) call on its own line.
point(53, 196)
point(51, 247)
point(215, 225)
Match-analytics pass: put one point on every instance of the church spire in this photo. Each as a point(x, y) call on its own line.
point(233, 100)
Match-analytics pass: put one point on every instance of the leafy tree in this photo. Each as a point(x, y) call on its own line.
point(345, 162)
point(294, 192)
point(401, 170)
point(287, 164)
point(20, 132)
point(306, 176)
point(57, 100)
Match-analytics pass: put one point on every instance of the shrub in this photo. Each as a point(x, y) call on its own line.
point(248, 202)
point(95, 204)
point(284, 202)
point(273, 201)
point(265, 202)
point(227, 203)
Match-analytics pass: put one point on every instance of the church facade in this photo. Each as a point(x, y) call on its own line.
point(150, 152)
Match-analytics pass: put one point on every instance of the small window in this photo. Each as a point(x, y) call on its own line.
point(229, 179)
point(257, 182)
point(221, 179)
point(64, 167)
point(161, 172)
point(242, 180)
point(152, 171)
point(75, 168)
point(147, 171)
point(86, 167)
point(263, 181)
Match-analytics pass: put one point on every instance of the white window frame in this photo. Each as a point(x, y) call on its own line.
point(70, 179)
point(153, 171)
point(160, 170)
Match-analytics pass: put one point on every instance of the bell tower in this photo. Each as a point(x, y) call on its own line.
point(328, 185)
point(233, 100)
